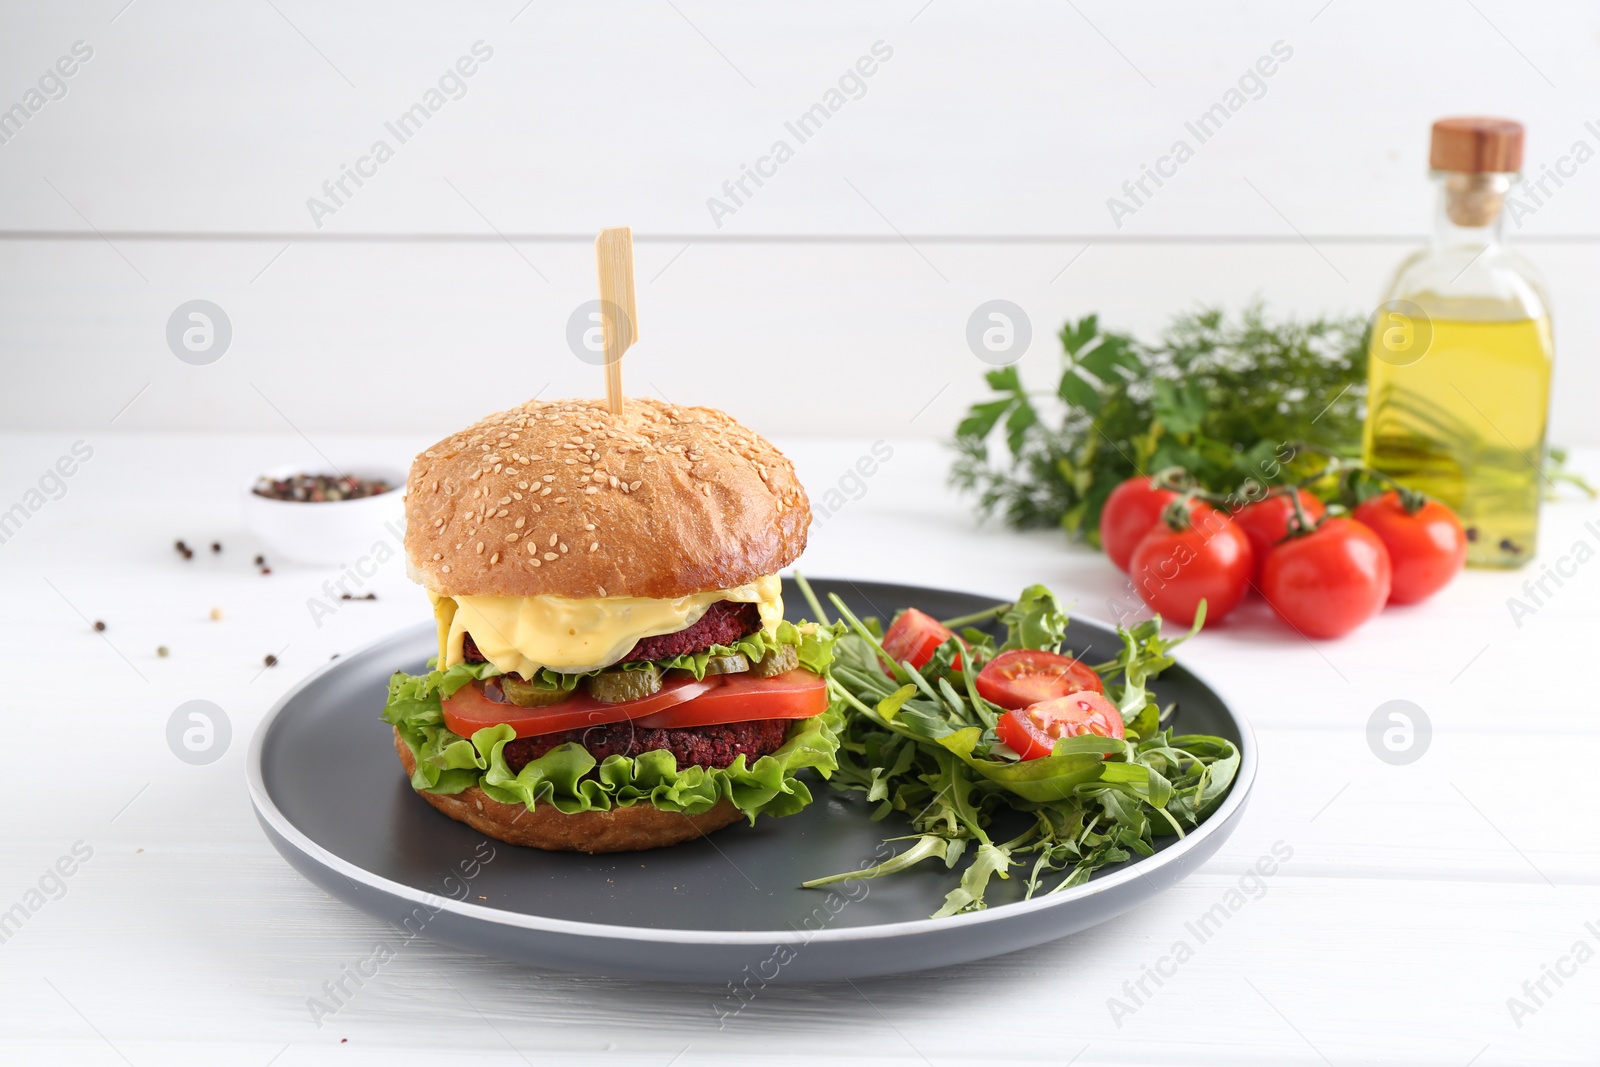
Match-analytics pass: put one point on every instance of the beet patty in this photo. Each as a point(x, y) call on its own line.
point(704, 746)
point(723, 623)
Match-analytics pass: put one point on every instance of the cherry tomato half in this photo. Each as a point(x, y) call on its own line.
point(914, 636)
point(1033, 731)
point(1266, 522)
point(1021, 677)
point(1328, 582)
point(1209, 559)
point(1131, 511)
point(1426, 548)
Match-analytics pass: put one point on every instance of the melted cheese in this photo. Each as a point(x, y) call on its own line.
point(519, 635)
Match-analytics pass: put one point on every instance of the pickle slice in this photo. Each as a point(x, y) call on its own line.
point(779, 660)
point(527, 695)
point(733, 663)
point(614, 687)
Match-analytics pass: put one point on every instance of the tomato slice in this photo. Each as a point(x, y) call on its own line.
point(796, 694)
point(469, 710)
point(1033, 731)
point(915, 636)
point(1021, 677)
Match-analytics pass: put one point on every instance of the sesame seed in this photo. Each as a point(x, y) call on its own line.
point(545, 491)
point(588, 526)
point(480, 548)
point(438, 555)
point(594, 545)
point(632, 486)
point(551, 556)
point(501, 513)
point(548, 477)
point(445, 568)
point(533, 549)
point(536, 562)
point(512, 537)
point(553, 539)
point(520, 521)
point(495, 558)
point(563, 546)
point(591, 489)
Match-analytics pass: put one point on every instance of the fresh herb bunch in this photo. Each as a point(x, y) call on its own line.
point(921, 742)
point(1216, 396)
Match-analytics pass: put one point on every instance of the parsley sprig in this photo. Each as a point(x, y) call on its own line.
point(1216, 395)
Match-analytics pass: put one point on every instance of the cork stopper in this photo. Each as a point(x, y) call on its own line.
point(1476, 146)
point(1477, 155)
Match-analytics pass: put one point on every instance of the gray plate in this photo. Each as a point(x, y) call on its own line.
point(333, 800)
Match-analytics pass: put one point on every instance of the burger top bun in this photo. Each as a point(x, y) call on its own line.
point(562, 498)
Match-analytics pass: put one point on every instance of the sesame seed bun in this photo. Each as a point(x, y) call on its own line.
point(562, 498)
point(628, 829)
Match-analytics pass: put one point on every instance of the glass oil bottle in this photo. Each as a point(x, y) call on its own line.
point(1461, 351)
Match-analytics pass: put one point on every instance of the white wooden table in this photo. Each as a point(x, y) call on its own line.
point(1417, 900)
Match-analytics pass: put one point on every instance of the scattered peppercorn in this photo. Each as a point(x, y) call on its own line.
point(99, 627)
point(319, 488)
point(188, 553)
point(216, 614)
point(270, 660)
point(266, 570)
point(334, 656)
point(216, 546)
point(261, 561)
point(180, 546)
point(161, 650)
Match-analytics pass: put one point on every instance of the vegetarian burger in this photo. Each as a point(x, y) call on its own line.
point(614, 671)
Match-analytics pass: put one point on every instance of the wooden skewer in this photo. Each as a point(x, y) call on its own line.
point(613, 251)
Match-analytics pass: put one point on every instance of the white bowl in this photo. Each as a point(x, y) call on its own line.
point(332, 533)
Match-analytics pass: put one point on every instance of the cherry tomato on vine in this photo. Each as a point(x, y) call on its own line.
point(1330, 581)
point(1130, 512)
point(1024, 676)
point(1426, 547)
point(1209, 558)
point(1266, 522)
point(1033, 731)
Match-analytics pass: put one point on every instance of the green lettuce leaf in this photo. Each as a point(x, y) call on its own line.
point(448, 763)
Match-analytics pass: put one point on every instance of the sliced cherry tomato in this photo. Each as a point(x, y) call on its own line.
point(1033, 731)
point(914, 636)
point(1131, 511)
point(1021, 677)
point(469, 710)
point(1328, 582)
point(1266, 522)
point(1426, 547)
point(796, 694)
point(1209, 559)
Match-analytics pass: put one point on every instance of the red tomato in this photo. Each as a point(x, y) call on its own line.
point(469, 710)
point(1327, 583)
point(796, 694)
point(1021, 677)
point(1426, 549)
point(1210, 559)
point(1131, 511)
point(915, 635)
point(1033, 731)
point(1266, 522)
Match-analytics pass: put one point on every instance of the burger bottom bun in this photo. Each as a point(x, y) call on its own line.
point(630, 829)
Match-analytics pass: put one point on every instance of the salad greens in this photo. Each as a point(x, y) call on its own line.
point(922, 743)
point(572, 780)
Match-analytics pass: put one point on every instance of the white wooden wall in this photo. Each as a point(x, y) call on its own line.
point(974, 163)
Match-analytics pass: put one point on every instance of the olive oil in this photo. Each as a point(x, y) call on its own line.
point(1460, 357)
point(1465, 423)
